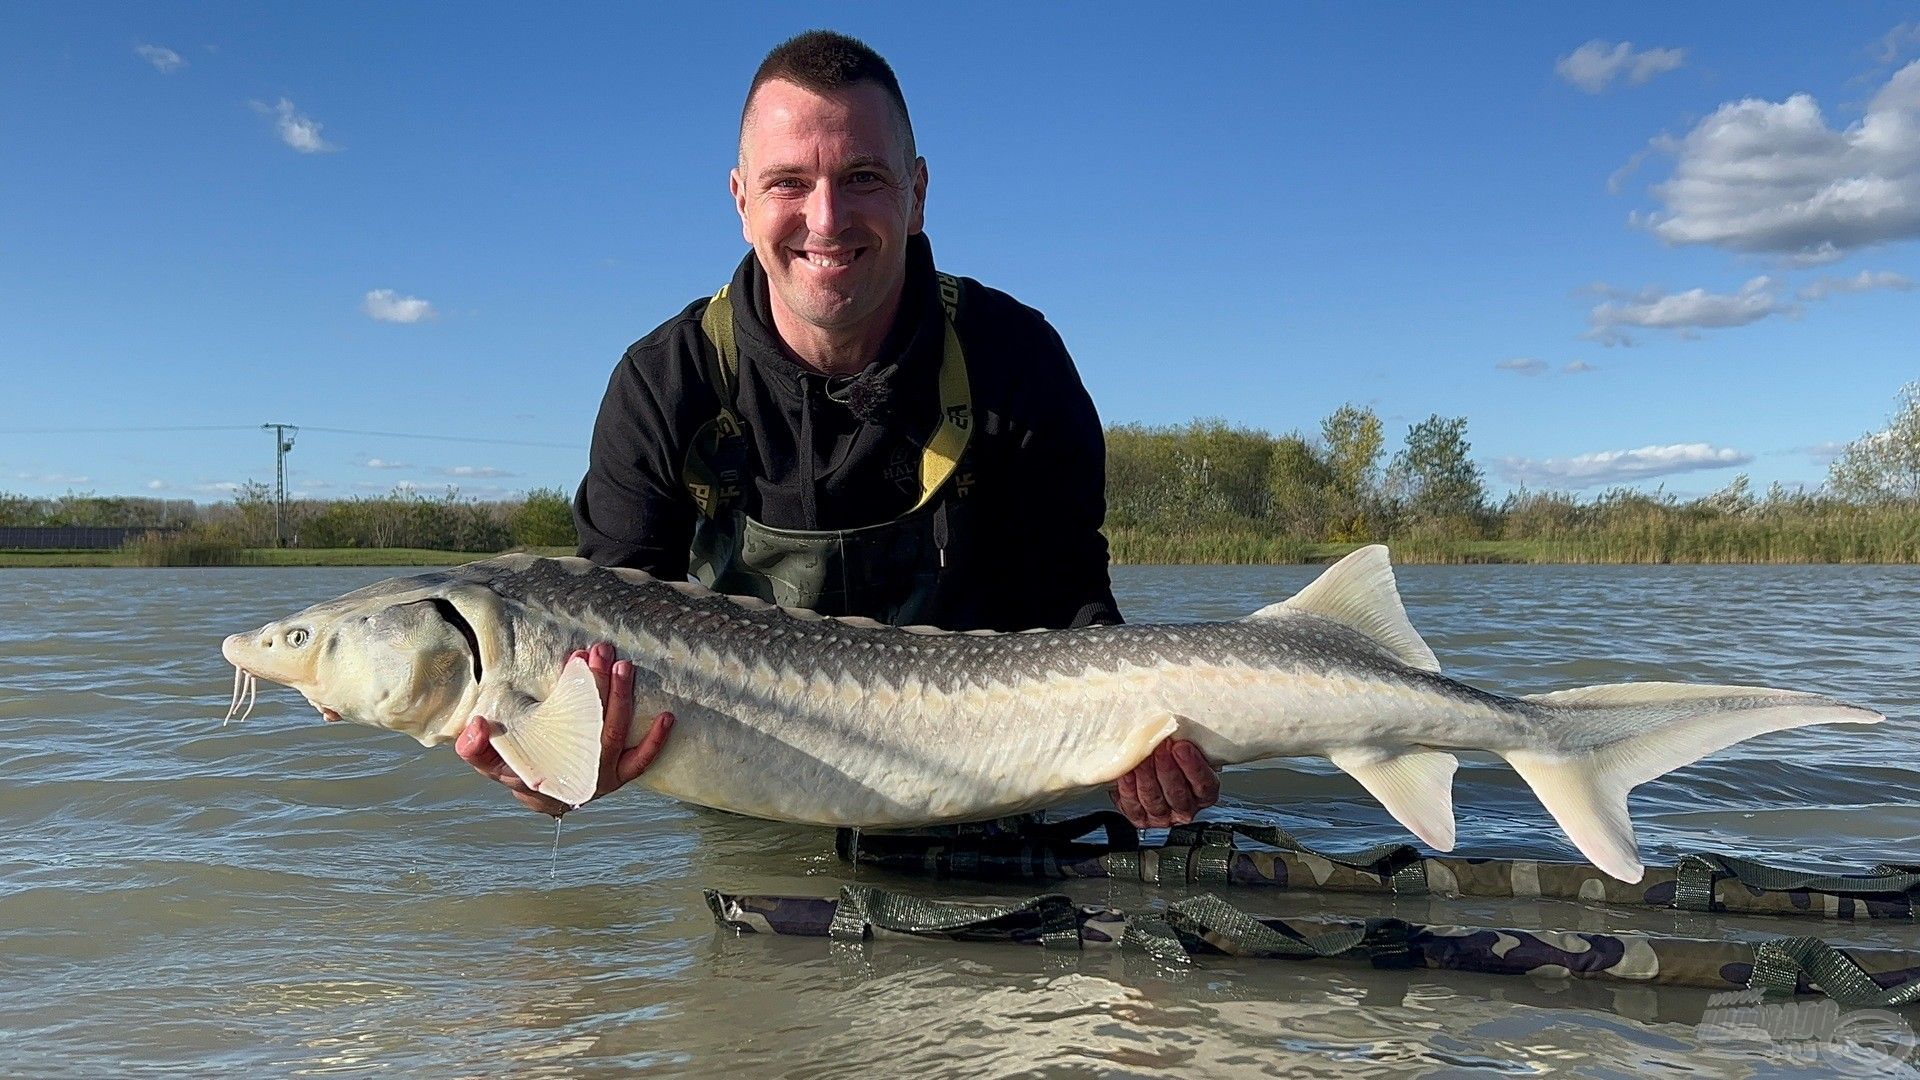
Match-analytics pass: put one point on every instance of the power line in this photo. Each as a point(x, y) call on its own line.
point(328, 430)
point(446, 438)
point(121, 430)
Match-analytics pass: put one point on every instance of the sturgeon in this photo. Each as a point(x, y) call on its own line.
point(789, 715)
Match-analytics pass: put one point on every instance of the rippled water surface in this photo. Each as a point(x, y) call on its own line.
point(284, 897)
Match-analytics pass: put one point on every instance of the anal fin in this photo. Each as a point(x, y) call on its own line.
point(555, 746)
point(1416, 788)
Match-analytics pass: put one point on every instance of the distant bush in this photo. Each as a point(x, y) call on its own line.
point(543, 519)
point(187, 547)
point(404, 519)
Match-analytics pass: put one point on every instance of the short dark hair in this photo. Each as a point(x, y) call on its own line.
point(824, 61)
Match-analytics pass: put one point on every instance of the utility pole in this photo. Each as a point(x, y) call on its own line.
point(282, 442)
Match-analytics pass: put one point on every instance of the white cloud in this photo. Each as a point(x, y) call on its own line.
point(1593, 67)
point(1522, 365)
point(385, 305)
point(218, 487)
point(156, 485)
point(1684, 313)
point(1897, 41)
point(382, 463)
point(1577, 367)
point(478, 472)
point(164, 60)
point(1620, 466)
point(1772, 178)
point(1864, 281)
point(1824, 453)
point(53, 478)
point(298, 130)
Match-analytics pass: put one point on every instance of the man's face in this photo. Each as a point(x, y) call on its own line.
point(827, 197)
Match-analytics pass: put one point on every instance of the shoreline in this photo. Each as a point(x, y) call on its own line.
point(1414, 553)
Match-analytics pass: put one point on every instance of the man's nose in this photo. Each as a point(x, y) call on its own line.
point(826, 211)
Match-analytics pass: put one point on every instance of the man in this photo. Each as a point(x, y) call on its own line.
point(842, 428)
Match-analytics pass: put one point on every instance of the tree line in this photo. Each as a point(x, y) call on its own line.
point(1207, 491)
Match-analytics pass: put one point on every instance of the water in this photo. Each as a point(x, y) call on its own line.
point(285, 897)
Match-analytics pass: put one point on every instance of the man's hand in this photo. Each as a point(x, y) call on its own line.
point(1173, 784)
point(618, 763)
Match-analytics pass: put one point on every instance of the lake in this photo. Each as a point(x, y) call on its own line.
point(283, 897)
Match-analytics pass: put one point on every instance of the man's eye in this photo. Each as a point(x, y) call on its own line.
point(865, 178)
point(787, 183)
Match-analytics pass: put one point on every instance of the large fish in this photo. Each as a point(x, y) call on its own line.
point(788, 715)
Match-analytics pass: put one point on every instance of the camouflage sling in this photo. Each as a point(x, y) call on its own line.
point(1207, 925)
point(1211, 853)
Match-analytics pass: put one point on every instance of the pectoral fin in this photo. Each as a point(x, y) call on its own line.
point(555, 746)
point(1415, 787)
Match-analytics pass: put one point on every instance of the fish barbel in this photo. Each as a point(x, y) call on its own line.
point(789, 715)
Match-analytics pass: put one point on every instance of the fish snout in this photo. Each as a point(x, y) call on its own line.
point(277, 651)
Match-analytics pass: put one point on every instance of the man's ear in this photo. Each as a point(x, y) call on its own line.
point(917, 220)
point(738, 187)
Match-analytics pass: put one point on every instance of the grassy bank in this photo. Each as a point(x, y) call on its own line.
point(1202, 548)
point(261, 557)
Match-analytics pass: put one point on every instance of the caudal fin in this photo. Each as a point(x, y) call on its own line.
point(1610, 739)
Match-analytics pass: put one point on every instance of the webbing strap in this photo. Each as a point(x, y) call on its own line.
point(1121, 833)
point(1696, 875)
point(1778, 965)
point(717, 321)
point(1233, 931)
point(863, 908)
point(1210, 853)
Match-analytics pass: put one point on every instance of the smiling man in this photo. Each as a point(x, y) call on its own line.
point(844, 428)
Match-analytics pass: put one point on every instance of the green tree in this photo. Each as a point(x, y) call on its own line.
point(1225, 469)
point(18, 509)
point(1302, 489)
point(1354, 439)
point(1434, 476)
point(253, 506)
point(1883, 467)
point(543, 519)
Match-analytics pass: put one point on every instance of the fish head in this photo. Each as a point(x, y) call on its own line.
point(407, 659)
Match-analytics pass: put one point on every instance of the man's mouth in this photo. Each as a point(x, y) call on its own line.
point(831, 260)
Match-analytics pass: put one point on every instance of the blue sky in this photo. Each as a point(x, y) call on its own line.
point(1652, 243)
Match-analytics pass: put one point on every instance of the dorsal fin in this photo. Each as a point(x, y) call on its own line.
point(1358, 591)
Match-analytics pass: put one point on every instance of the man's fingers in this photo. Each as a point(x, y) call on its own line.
point(1200, 773)
point(1173, 784)
point(1147, 783)
point(1126, 796)
point(475, 747)
point(635, 761)
point(546, 804)
point(600, 662)
point(617, 722)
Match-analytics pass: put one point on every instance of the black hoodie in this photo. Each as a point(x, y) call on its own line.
point(838, 452)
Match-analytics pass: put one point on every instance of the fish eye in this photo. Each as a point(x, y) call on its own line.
point(297, 636)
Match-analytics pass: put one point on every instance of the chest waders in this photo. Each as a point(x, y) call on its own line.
point(892, 570)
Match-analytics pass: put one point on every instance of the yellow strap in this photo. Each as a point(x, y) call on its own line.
point(718, 323)
point(942, 453)
point(941, 456)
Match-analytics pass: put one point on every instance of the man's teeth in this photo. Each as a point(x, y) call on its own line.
point(828, 261)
